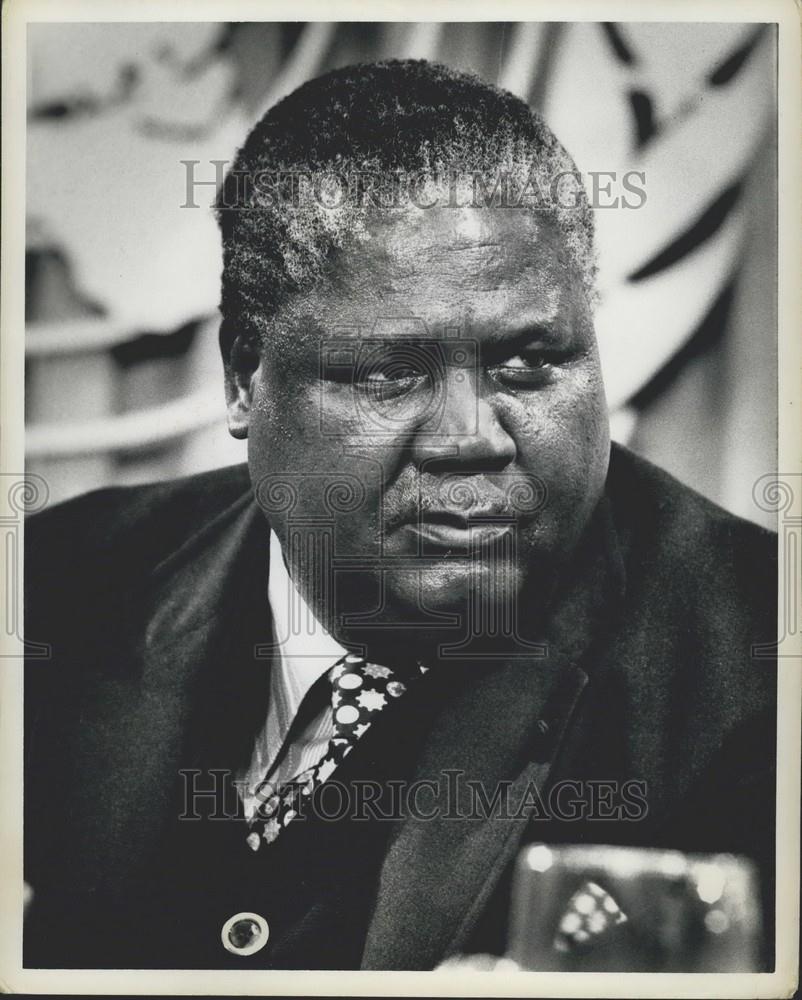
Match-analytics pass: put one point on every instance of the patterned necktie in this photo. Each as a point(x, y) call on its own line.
point(360, 690)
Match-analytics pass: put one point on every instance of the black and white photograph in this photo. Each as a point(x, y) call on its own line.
point(403, 561)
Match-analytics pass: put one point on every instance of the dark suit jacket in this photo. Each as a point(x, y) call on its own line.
point(153, 602)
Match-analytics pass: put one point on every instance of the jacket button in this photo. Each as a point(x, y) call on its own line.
point(245, 933)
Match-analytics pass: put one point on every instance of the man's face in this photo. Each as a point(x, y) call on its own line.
point(430, 422)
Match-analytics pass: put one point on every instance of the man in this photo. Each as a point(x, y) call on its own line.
point(283, 701)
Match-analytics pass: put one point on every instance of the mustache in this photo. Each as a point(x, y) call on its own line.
point(461, 497)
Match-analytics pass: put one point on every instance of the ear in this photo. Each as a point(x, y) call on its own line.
point(241, 370)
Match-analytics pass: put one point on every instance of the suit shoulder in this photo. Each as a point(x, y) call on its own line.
point(700, 570)
point(699, 581)
point(698, 626)
point(655, 512)
point(138, 524)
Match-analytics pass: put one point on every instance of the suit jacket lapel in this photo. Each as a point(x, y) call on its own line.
point(439, 872)
point(485, 740)
point(209, 619)
point(194, 686)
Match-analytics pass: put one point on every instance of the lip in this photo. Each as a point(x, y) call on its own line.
point(446, 530)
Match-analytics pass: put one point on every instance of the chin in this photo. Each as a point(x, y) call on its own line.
point(463, 587)
point(454, 610)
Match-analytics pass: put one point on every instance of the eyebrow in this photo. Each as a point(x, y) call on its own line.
point(547, 332)
point(493, 341)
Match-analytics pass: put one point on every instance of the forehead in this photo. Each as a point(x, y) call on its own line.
point(473, 267)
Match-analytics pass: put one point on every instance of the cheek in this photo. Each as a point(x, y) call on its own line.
point(324, 425)
point(284, 445)
point(308, 448)
point(563, 438)
point(288, 426)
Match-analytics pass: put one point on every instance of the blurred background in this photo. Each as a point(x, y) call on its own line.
point(123, 379)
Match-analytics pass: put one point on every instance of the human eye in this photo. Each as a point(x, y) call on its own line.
point(530, 367)
point(392, 374)
point(379, 371)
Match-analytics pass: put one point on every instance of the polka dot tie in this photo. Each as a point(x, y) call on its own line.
point(360, 690)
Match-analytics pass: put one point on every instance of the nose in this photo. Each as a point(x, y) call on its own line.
point(465, 431)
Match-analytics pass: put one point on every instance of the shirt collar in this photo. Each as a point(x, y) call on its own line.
point(305, 649)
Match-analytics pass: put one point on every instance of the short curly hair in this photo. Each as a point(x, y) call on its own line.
point(282, 208)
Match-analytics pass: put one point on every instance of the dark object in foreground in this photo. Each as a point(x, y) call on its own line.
point(613, 909)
